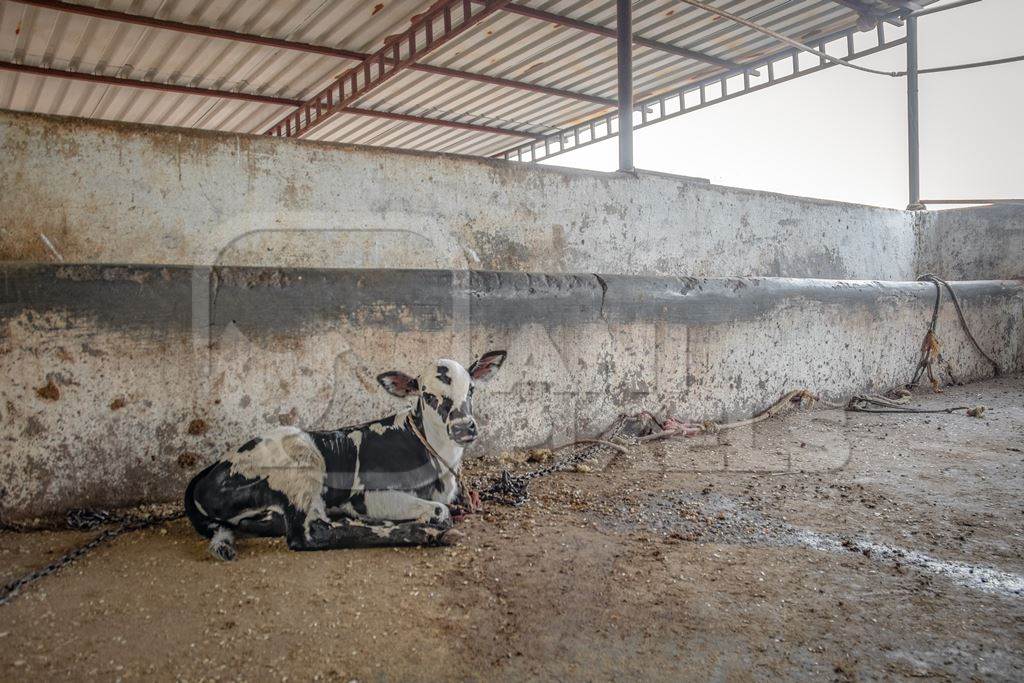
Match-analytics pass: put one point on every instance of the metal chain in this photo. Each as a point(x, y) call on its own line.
point(513, 489)
point(79, 519)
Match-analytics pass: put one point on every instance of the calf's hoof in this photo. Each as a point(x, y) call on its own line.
point(451, 537)
point(441, 517)
point(223, 550)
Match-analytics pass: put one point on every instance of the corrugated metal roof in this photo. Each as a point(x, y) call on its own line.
point(506, 45)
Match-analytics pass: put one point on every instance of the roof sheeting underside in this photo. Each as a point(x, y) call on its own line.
point(505, 45)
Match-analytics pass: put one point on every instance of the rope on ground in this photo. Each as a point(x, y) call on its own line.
point(673, 426)
point(512, 489)
point(881, 404)
point(797, 399)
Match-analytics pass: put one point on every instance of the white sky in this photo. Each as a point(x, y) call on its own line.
point(841, 134)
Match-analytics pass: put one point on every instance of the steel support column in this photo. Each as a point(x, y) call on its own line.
point(913, 117)
point(624, 31)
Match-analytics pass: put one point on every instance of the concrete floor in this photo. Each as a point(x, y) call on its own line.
point(823, 545)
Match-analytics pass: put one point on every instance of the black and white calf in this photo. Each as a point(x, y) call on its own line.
point(387, 482)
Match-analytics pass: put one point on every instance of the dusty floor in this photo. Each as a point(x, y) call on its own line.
point(823, 545)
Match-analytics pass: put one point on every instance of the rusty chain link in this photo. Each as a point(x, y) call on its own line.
point(513, 489)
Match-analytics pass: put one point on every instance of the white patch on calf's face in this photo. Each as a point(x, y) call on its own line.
point(445, 390)
point(446, 378)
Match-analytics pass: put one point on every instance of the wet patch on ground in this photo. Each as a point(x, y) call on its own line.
point(713, 518)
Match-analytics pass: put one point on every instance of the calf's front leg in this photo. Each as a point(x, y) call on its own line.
point(399, 506)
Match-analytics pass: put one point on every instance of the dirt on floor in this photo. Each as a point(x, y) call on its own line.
point(820, 545)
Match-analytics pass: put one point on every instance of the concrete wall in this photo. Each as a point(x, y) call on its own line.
point(96, 192)
point(120, 381)
point(983, 243)
point(124, 379)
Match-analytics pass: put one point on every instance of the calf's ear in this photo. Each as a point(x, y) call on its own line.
point(398, 383)
point(485, 366)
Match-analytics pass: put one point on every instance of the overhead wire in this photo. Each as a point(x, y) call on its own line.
point(837, 60)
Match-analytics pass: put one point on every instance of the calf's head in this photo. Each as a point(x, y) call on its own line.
point(444, 391)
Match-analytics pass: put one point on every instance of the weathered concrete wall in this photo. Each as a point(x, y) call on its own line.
point(122, 381)
point(98, 192)
point(982, 243)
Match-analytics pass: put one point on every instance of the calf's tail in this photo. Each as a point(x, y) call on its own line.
point(206, 526)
